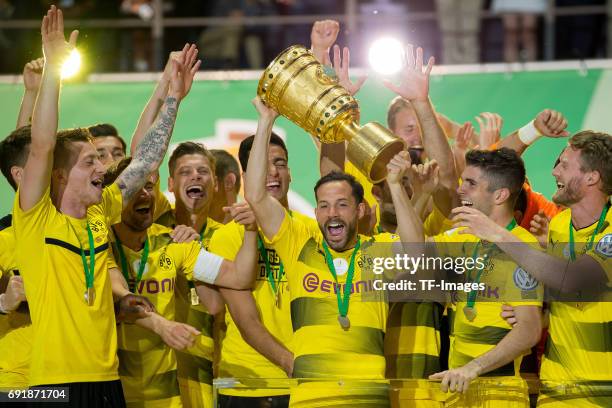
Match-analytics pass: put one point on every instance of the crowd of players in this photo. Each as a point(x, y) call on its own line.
point(113, 292)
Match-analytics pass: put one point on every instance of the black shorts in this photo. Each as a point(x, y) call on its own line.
point(103, 394)
point(228, 401)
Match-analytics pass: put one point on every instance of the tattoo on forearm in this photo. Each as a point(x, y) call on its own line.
point(150, 151)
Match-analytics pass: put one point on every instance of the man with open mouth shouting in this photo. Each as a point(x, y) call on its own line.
point(336, 332)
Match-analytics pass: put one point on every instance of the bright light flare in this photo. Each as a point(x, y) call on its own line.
point(386, 56)
point(72, 65)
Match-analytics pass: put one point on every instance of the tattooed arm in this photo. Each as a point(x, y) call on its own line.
point(190, 54)
point(151, 150)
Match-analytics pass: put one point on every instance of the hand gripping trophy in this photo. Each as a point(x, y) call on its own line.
point(295, 85)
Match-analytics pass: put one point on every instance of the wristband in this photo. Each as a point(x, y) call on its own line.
point(529, 133)
point(207, 267)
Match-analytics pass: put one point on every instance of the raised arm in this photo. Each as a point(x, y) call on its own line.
point(243, 309)
point(415, 88)
point(322, 37)
point(409, 224)
point(240, 274)
point(585, 273)
point(523, 335)
point(268, 211)
point(32, 72)
point(151, 150)
point(37, 171)
point(548, 123)
point(190, 53)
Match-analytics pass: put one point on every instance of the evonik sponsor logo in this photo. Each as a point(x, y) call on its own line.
point(312, 282)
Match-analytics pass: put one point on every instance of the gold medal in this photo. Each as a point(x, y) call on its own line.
point(344, 321)
point(193, 295)
point(470, 313)
point(90, 296)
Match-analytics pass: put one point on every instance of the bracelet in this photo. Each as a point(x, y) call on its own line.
point(529, 133)
point(2, 310)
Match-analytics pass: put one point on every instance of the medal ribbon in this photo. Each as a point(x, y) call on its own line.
point(343, 302)
point(123, 259)
point(269, 274)
point(572, 248)
point(203, 230)
point(471, 299)
point(88, 270)
point(190, 283)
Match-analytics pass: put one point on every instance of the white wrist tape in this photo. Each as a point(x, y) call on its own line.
point(207, 267)
point(529, 133)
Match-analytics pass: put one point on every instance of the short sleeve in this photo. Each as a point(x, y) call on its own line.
point(436, 223)
point(602, 252)
point(31, 224)
point(112, 204)
point(522, 289)
point(227, 240)
point(288, 241)
point(185, 256)
point(112, 264)
point(162, 205)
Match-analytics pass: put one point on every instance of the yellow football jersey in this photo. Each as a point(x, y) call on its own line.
point(147, 366)
point(349, 168)
point(195, 367)
point(163, 208)
point(15, 327)
point(579, 345)
point(321, 347)
point(83, 338)
point(238, 359)
point(436, 223)
point(504, 283)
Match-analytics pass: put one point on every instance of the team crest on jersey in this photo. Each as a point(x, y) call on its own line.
point(604, 246)
point(165, 262)
point(523, 280)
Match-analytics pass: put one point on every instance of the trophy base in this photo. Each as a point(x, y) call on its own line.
point(371, 147)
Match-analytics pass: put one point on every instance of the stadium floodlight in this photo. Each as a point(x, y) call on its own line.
point(386, 56)
point(72, 65)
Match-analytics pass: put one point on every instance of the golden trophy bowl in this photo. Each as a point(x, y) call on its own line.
point(295, 86)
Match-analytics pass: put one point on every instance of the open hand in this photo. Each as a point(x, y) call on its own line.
point(341, 66)
point(55, 47)
point(490, 129)
point(183, 67)
point(414, 85)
